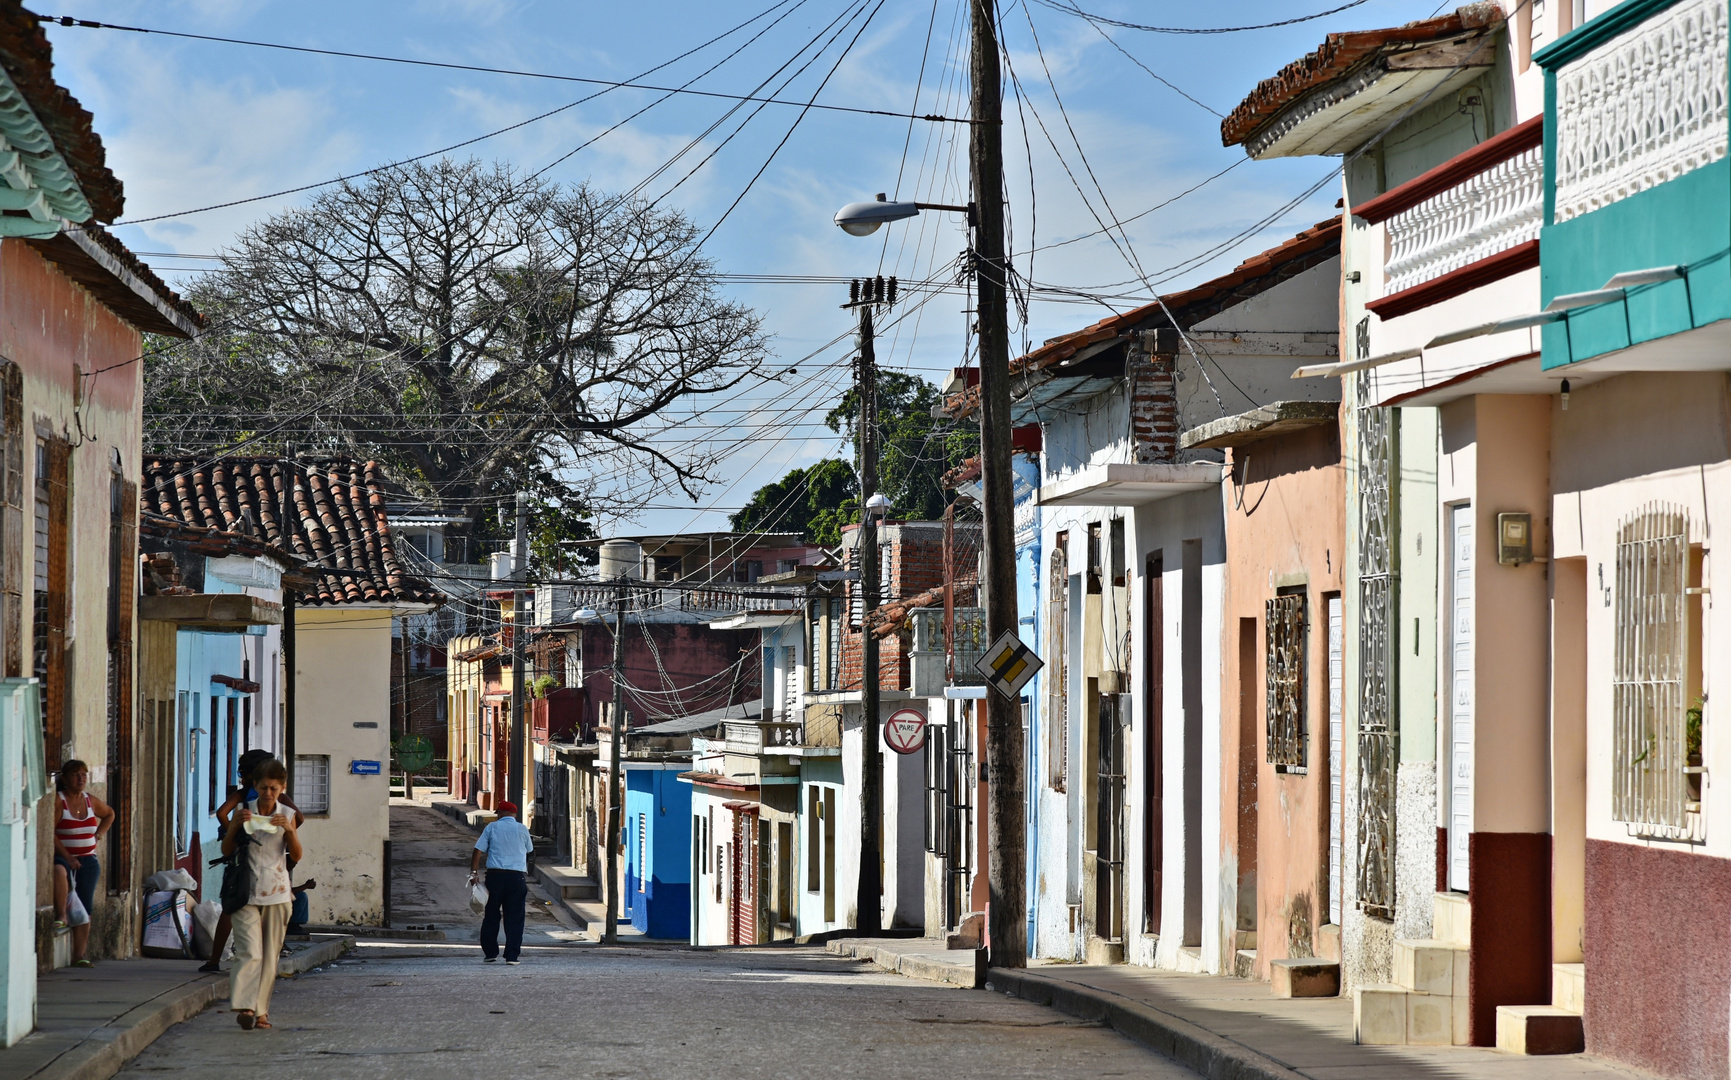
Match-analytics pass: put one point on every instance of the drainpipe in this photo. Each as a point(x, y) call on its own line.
point(288, 686)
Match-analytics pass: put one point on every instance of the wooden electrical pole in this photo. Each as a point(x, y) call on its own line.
point(1006, 817)
point(520, 620)
point(869, 917)
point(615, 795)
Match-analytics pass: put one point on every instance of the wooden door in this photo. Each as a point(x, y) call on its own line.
point(744, 898)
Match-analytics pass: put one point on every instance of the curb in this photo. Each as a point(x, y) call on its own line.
point(1195, 1048)
point(107, 1050)
point(317, 956)
point(965, 975)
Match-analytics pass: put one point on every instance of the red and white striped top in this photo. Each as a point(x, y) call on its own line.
point(76, 834)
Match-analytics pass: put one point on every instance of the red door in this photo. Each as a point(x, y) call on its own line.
point(744, 902)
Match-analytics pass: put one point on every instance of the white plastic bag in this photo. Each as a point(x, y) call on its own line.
point(477, 897)
point(170, 881)
point(205, 916)
point(75, 913)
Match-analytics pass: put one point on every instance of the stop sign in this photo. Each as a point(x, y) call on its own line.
point(905, 731)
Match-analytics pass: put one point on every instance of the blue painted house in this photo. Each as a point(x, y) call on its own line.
point(657, 849)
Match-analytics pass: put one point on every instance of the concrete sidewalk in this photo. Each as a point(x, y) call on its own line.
point(917, 958)
point(92, 1021)
point(1230, 1029)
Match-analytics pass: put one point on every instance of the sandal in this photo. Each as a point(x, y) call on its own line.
point(245, 1019)
point(59, 925)
point(82, 964)
point(263, 1022)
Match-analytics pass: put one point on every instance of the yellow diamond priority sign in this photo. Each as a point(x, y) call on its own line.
point(1008, 664)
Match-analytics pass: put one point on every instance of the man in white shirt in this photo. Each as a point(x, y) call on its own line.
point(506, 845)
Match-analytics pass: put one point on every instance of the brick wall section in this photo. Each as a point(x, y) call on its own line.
point(916, 563)
point(1153, 406)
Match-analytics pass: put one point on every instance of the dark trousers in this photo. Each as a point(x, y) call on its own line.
point(507, 892)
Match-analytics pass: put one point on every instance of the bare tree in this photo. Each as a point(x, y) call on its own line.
point(475, 331)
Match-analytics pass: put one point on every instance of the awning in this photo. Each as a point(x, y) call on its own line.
point(1130, 485)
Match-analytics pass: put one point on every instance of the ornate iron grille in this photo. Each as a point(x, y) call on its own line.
point(1286, 731)
point(1650, 680)
point(1377, 591)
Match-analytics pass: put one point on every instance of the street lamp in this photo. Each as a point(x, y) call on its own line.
point(863, 218)
point(878, 506)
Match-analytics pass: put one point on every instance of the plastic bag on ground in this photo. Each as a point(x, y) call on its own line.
point(170, 881)
point(477, 897)
point(205, 916)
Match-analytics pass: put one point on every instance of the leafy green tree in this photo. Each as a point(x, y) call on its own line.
point(914, 452)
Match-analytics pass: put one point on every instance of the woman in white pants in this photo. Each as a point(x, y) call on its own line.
point(259, 926)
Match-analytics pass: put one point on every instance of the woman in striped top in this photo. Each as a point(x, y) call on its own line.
point(80, 825)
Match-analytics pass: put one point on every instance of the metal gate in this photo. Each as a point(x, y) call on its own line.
point(1460, 660)
point(959, 812)
point(1109, 854)
point(1378, 578)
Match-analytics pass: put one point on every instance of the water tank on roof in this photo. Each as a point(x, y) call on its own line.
point(621, 557)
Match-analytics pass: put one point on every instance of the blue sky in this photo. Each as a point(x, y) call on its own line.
point(192, 123)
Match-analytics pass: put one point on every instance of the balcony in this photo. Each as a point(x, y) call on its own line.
point(928, 666)
point(1467, 222)
point(1638, 184)
point(557, 605)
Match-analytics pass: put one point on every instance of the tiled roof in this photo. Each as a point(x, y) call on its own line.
point(105, 278)
point(329, 514)
point(1341, 55)
point(1254, 275)
point(29, 61)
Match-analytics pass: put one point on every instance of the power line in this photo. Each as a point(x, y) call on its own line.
point(1072, 9)
point(611, 84)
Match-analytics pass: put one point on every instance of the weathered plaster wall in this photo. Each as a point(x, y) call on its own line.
point(1285, 527)
point(343, 662)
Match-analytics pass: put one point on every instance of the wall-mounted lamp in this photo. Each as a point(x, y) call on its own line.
point(1514, 539)
point(1565, 395)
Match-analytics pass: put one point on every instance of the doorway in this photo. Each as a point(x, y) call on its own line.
point(1109, 822)
point(1153, 782)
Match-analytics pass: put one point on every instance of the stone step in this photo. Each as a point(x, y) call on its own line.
point(1384, 1014)
point(1244, 963)
point(1569, 987)
point(1189, 960)
point(568, 883)
point(1538, 1029)
point(1453, 919)
point(1306, 977)
point(1431, 967)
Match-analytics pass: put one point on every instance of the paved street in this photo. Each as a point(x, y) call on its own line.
point(433, 1012)
point(430, 879)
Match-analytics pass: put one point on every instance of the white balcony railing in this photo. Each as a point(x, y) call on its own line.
point(1645, 107)
point(555, 604)
point(1484, 214)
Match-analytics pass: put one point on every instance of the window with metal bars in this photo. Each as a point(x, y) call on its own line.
point(313, 783)
point(1651, 678)
point(1285, 627)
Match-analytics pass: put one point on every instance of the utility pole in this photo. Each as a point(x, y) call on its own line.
point(865, 296)
point(520, 619)
point(610, 932)
point(1006, 818)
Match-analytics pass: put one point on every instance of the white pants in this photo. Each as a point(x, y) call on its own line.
point(258, 934)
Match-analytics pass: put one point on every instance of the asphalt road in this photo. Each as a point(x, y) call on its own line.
point(429, 1012)
point(430, 879)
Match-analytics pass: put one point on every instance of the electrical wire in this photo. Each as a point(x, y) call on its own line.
point(1072, 9)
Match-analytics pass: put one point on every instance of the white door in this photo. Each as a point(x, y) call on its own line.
point(1336, 757)
point(1460, 660)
